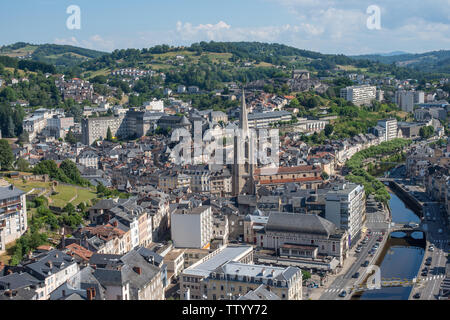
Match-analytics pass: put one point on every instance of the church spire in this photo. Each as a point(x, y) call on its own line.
point(243, 117)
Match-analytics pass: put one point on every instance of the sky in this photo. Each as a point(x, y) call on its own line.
point(327, 26)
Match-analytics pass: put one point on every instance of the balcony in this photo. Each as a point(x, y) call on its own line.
point(9, 203)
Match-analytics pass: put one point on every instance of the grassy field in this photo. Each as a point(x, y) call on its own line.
point(65, 193)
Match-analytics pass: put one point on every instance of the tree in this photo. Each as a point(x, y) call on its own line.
point(24, 137)
point(70, 137)
point(10, 128)
point(426, 132)
point(6, 155)
point(22, 165)
point(109, 136)
point(328, 130)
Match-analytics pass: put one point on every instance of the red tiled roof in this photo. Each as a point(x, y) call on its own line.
point(294, 180)
point(272, 171)
point(83, 253)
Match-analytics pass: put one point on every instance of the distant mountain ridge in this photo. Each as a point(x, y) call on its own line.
point(58, 55)
point(434, 61)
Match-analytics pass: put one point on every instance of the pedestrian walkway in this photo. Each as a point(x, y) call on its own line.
point(432, 278)
point(332, 290)
point(441, 241)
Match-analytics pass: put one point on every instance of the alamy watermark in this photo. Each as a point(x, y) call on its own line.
point(374, 19)
point(73, 22)
point(374, 280)
point(225, 146)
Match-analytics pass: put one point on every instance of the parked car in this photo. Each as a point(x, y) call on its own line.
point(366, 263)
point(343, 294)
point(356, 275)
point(417, 295)
point(358, 250)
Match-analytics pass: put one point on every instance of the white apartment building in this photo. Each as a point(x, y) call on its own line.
point(359, 95)
point(391, 128)
point(346, 207)
point(154, 106)
point(192, 228)
point(13, 215)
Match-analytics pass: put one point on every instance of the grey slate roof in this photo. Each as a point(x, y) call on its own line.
point(10, 192)
point(302, 223)
point(59, 261)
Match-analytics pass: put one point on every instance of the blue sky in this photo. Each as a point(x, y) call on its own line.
point(328, 26)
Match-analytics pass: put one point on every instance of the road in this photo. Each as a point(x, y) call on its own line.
point(430, 285)
point(377, 224)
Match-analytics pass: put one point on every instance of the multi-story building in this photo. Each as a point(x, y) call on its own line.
point(220, 182)
point(53, 268)
point(194, 278)
point(172, 180)
point(308, 177)
point(89, 159)
point(200, 179)
point(34, 125)
point(234, 279)
point(13, 215)
point(406, 100)
point(133, 276)
point(154, 105)
point(390, 128)
point(77, 89)
point(260, 120)
point(346, 208)
point(192, 228)
point(311, 235)
point(97, 128)
point(359, 95)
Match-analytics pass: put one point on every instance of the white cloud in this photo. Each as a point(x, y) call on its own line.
point(70, 41)
point(328, 26)
point(95, 42)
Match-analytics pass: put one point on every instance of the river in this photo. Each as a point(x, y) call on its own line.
point(399, 259)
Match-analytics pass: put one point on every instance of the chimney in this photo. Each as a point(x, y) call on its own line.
point(115, 224)
point(64, 293)
point(50, 264)
point(138, 270)
point(10, 271)
point(90, 293)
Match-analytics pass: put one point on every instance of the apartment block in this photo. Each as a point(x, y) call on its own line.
point(13, 215)
point(359, 95)
point(234, 279)
point(346, 208)
point(192, 228)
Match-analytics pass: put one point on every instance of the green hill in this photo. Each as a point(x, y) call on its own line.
point(57, 55)
point(434, 61)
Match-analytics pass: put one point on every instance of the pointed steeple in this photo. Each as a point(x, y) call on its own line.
point(243, 117)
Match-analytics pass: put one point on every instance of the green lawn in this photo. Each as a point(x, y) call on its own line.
point(65, 192)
